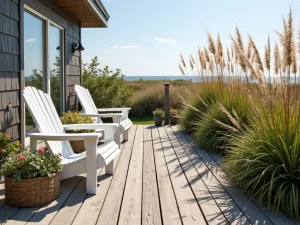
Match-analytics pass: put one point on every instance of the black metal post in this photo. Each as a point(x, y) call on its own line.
point(167, 103)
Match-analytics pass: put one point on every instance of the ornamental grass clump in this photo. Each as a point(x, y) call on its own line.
point(222, 121)
point(28, 165)
point(198, 103)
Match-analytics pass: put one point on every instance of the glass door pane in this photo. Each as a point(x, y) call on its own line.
point(55, 49)
point(34, 30)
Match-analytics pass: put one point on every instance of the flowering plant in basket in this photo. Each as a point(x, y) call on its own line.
point(28, 165)
point(76, 118)
point(7, 147)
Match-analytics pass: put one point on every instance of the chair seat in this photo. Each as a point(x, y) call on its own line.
point(106, 150)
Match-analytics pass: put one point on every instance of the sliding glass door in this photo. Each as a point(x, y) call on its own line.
point(43, 58)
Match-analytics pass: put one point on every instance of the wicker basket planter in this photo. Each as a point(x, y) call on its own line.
point(32, 192)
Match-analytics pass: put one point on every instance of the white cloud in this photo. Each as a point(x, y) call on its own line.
point(30, 40)
point(128, 46)
point(165, 40)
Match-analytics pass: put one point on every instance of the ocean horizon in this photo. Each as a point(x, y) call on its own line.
point(157, 77)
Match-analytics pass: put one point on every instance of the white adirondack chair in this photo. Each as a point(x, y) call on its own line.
point(52, 131)
point(90, 109)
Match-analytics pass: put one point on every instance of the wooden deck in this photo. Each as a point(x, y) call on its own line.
point(160, 178)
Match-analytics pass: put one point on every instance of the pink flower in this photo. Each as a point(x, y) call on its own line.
point(3, 150)
point(20, 145)
point(41, 150)
point(6, 135)
point(22, 157)
point(59, 154)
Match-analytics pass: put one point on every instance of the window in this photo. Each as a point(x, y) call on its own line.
point(43, 59)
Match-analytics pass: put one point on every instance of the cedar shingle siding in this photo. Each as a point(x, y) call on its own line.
point(10, 55)
point(10, 67)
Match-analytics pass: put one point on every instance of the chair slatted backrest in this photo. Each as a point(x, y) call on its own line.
point(45, 116)
point(87, 101)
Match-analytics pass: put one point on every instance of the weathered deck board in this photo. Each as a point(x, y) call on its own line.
point(92, 205)
point(131, 209)
point(229, 208)
point(188, 205)
point(275, 217)
point(109, 214)
point(253, 213)
point(210, 208)
point(169, 207)
point(150, 208)
point(160, 177)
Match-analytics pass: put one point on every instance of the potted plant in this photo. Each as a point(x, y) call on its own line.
point(174, 116)
point(158, 116)
point(7, 147)
point(31, 178)
point(77, 118)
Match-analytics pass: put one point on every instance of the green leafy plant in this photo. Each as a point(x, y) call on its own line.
point(107, 87)
point(158, 112)
point(71, 117)
point(7, 147)
point(27, 165)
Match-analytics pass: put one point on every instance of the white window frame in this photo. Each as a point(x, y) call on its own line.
point(48, 22)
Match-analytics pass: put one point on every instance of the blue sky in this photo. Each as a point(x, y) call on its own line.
point(146, 37)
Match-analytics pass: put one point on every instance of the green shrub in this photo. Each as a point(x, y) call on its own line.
point(76, 118)
point(107, 87)
point(265, 161)
point(27, 165)
point(223, 120)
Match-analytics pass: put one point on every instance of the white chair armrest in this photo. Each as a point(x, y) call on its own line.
point(113, 109)
point(65, 137)
point(111, 131)
point(117, 117)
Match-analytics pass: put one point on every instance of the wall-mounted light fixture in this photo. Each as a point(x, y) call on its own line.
point(77, 46)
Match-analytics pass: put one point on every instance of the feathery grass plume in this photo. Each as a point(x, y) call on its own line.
point(181, 69)
point(202, 60)
point(191, 62)
point(239, 39)
point(256, 55)
point(294, 63)
point(249, 50)
point(230, 117)
point(287, 40)
point(228, 55)
point(268, 55)
point(226, 126)
point(211, 64)
point(238, 46)
point(211, 44)
point(277, 59)
point(220, 50)
point(199, 52)
point(182, 61)
point(206, 54)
